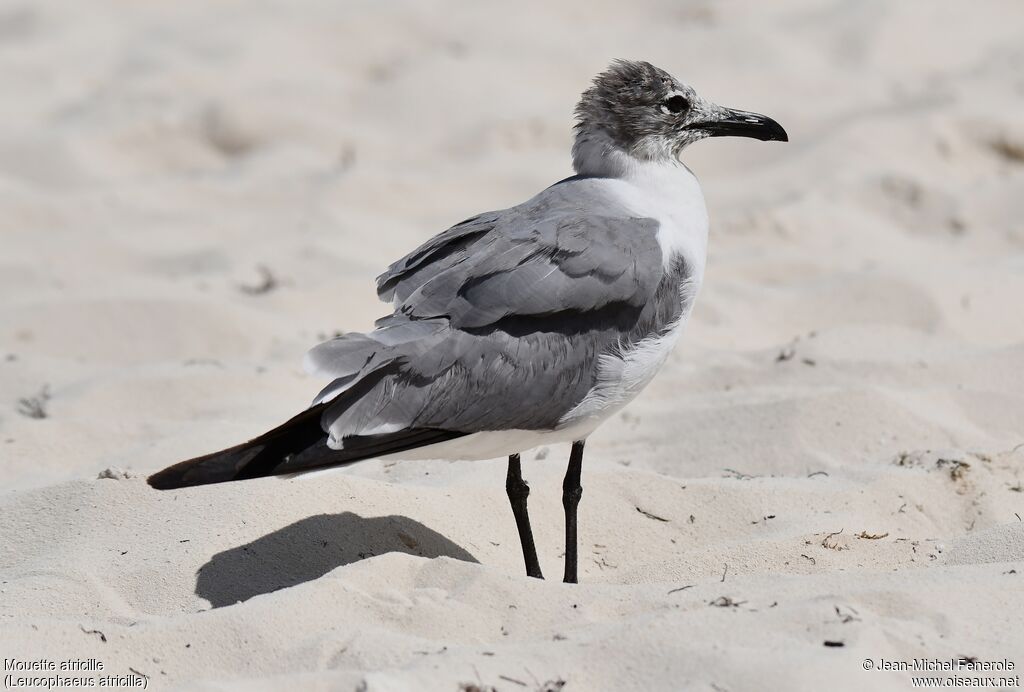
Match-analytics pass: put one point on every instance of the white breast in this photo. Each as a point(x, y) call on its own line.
point(665, 190)
point(670, 193)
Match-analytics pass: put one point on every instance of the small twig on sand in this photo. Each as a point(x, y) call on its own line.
point(834, 545)
point(103, 637)
point(512, 680)
point(872, 536)
point(738, 474)
point(651, 516)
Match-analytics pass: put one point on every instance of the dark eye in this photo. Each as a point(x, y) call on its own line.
point(676, 104)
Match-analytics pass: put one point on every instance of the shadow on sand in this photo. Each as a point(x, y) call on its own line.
point(311, 548)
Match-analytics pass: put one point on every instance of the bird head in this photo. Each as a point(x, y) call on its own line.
point(643, 111)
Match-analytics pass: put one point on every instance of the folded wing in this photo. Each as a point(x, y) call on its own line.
point(498, 322)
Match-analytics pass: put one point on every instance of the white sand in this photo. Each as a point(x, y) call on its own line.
point(154, 155)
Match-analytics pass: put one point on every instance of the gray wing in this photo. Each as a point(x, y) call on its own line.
point(499, 321)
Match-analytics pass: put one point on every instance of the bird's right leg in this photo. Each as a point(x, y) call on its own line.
point(572, 491)
point(518, 491)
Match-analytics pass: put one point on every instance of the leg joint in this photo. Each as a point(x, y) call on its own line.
point(517, 488)
point(571, 496)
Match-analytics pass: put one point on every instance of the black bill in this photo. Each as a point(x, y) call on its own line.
point(744, 124)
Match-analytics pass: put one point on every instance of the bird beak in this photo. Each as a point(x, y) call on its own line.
point(743, 124)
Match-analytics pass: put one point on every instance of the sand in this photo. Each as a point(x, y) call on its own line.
point(827, 470)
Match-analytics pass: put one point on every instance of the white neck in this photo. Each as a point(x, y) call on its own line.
point(594, 153)
point(661, 188)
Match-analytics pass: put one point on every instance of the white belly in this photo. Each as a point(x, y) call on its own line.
point(479, 446)
point(498, 443)
point(621, 376)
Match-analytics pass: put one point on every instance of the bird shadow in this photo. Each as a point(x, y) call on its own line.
point(312, 547)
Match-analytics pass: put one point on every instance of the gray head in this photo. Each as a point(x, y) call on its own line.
point(642, 110)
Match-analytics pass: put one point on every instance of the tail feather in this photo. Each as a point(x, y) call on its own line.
point(299, 444)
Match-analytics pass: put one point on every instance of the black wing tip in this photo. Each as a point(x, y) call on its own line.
point(191, 475)
point(173, 477)
point(219, 467)
point(233, 464)
point(164, 481)
point(161, 481)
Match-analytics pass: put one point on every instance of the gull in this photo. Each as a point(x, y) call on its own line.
point(526, 326)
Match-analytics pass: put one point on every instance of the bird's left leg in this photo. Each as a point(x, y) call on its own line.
point(572, 491)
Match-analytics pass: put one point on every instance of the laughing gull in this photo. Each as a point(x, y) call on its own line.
point(526, 326)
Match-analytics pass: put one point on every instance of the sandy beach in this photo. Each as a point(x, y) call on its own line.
point(826, 475)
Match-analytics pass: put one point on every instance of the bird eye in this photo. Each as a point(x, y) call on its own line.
point(676, 104)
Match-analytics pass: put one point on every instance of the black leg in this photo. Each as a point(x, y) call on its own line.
point(518, 491)
point(572, 491)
